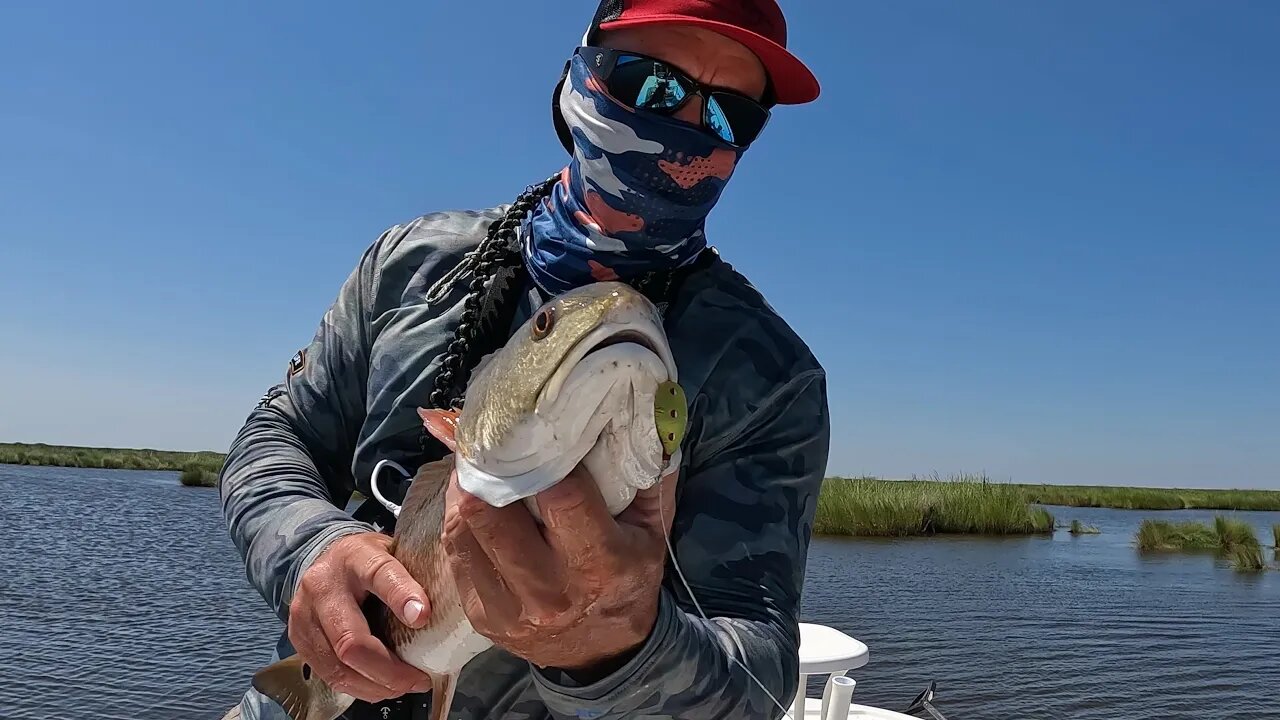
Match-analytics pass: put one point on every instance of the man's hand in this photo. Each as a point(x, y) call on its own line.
point(328, 628)
point(580, 593)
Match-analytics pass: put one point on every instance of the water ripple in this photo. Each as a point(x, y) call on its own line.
point(1052, 627)
point(123, 598)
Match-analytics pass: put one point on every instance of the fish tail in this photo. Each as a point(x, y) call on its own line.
point(292, 683)
point(442, 686)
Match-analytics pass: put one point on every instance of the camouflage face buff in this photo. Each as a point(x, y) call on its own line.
point(633, 199)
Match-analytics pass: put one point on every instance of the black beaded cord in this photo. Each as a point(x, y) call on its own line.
point(498, 249)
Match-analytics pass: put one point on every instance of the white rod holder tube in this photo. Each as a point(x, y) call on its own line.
point(837, 697)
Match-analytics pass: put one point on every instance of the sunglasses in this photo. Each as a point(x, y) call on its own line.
point(646, 83)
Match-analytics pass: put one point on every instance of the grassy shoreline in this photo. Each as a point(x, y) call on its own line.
point(869, 507)
point(106, 458)
point(1136, 498)
point(846, 506)
point(197, 469)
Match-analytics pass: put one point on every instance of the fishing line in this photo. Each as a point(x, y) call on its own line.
point(671, 552)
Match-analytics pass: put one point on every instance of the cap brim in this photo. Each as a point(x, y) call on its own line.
point(793, 82)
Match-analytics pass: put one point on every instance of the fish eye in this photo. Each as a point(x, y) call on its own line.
point(542, 323)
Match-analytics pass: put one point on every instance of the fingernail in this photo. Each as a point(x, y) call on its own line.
point(413, 610)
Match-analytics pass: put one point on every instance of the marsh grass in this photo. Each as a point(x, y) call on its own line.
point(198, 469)
point(1230, 538)
point(1246, 558)
point(1004, 503)
point(962, 504)
point(1239, 544)
point(196, 476)
point(1233, 533)
point(1163, 535)
point(1132, 498)
point(107, 458)
point(1079, 528)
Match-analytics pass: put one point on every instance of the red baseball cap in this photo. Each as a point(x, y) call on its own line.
point(757, 24)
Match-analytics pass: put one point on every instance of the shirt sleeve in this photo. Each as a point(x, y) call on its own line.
point(287, 474)
point(741, 540)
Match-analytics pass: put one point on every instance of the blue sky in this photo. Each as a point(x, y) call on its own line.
point(1033, 239)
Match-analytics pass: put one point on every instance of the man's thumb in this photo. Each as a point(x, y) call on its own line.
point(385, 577)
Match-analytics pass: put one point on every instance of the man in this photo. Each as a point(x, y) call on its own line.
point(655, 110)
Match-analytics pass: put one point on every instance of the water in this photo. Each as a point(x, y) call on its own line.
point(122, 597)
point(1064, 627)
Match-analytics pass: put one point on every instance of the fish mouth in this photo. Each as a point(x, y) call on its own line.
point(569, 412)
point(646, 336)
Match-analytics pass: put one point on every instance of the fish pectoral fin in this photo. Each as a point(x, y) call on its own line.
point(442, 687)
point(292, 684)
point(442, 424)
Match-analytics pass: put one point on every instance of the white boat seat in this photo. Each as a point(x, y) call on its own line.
point(824, 651)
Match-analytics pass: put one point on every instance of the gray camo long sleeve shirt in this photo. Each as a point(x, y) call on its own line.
point(754, 457)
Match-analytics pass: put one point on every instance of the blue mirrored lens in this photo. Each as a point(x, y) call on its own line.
point(660, 93)
point(646, 84)
point(716, 121)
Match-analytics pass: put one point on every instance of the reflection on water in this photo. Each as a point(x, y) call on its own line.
point(122, 597)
